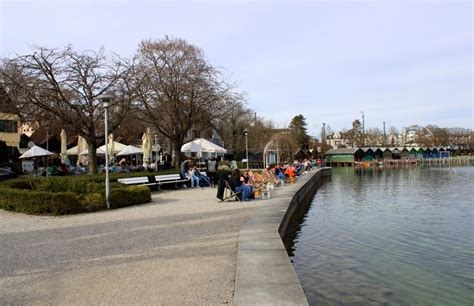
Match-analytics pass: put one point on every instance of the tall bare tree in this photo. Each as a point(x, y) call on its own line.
point(439, 136)
point(67, 85)
point(180, 89)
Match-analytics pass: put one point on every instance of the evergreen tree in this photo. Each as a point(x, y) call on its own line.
point(298, 131)
point(355, 134)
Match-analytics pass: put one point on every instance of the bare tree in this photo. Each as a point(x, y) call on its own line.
point(374, 137)
point(439, 136)
point(66, 85)
point(393, 130)
point(180, 89)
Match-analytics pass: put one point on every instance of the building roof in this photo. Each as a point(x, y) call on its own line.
point(342, 151)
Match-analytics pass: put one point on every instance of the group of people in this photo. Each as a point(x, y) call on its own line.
point(190, 171)
point(247, 182)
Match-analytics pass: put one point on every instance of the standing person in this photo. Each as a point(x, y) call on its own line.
point(168, 160)
point(212, 170)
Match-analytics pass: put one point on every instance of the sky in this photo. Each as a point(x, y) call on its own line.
point(402, 62)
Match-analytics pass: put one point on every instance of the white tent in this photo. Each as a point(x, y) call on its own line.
point(203, 148)
point(130, 150)
point(36, 151)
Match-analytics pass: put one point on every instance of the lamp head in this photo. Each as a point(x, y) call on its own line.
point(246, 132)
point(105, 98)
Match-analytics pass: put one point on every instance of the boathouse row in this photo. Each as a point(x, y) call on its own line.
point(348, 156)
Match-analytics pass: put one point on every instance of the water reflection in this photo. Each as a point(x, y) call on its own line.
point(299, 218)
point(392, 236)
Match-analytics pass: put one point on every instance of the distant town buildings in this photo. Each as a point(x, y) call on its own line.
point(414, 135)
point(460, 136)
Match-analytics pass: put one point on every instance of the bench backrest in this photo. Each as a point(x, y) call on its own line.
point(168, 177)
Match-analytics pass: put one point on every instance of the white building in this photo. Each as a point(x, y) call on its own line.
point(337, 140)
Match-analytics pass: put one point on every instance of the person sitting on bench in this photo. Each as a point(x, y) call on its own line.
point(192, 175)
point(236, 183)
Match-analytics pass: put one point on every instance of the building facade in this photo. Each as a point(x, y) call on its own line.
point(10, 130)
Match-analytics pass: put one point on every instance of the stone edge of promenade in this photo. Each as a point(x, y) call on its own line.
point(265, 274)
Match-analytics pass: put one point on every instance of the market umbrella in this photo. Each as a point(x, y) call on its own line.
point(146, 144)
point(63, 146)
point(201, 145)
point(99, 151)
point(36, 151)
point(130, 150)
point(81, 144)
point(111, 148)
point(150, 141)
point(81, 147)
point(72, 151)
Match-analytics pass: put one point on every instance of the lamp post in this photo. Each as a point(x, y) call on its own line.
point(363, 129)
point(46, 126)
point(246, 133)
point(106, 104)
point(156, 152)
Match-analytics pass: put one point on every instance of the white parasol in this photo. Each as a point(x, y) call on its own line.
point(201, 145)
point(130, 150)
point(36, 151)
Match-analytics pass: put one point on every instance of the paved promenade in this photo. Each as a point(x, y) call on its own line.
point(180, 249)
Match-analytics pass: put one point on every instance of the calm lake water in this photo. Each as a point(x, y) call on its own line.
point(391, 237)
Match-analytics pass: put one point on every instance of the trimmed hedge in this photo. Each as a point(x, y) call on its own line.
point(67, 195)
point(39, 202)
point(133, 195)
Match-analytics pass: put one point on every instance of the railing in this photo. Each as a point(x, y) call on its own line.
point(252, 165)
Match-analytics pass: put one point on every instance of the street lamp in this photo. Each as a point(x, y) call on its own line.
point(46, 126)
point(156, 152)
point(363, 128)
point(246, 133)
point(106, 104)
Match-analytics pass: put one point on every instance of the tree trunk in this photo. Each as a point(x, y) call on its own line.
point(177, 156)
point(92, 154)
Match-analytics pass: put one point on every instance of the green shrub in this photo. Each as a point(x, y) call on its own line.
point(93, 202)
point(67, 195)
point(38, 202)
point(134, 195)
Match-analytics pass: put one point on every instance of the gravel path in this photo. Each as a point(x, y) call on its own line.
point(180, 249)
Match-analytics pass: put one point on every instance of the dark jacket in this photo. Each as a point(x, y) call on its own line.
point(234, 182)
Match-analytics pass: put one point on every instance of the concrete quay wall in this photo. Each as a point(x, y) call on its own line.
point(265, 275)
